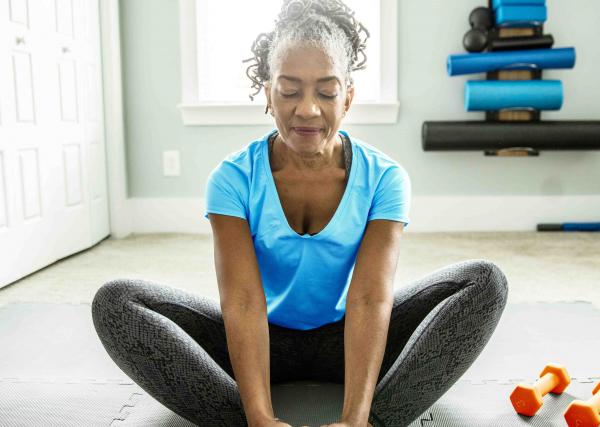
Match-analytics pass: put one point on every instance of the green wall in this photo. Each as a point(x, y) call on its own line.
point(428, 31)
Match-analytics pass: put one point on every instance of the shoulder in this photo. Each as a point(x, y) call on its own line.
point(244, 156)
point(240, 164)
point(376, 162)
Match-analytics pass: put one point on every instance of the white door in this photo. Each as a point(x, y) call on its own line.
point(53, 197)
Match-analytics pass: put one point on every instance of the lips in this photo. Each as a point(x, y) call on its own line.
point(307, 130)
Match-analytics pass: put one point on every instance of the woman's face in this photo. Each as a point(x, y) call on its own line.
point(308, 97)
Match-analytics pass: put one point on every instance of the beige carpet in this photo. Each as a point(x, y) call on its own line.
point(539, 266)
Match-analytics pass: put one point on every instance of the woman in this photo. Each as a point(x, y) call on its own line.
point(307, 223)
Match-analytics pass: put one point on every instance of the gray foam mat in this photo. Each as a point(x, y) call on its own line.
point(61, 404)
point(488, 405)
point(55, 372)
point(52, 341)
point(533, 334)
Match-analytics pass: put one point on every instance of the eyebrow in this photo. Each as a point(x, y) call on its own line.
point(296, 79)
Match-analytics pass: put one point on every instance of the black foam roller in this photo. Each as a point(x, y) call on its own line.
point(549, 227)
point(517, 43)
point(481, 135)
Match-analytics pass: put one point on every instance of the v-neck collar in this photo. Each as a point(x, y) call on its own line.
point(273, 188)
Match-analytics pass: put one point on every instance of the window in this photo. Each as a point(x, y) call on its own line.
point(215, 41)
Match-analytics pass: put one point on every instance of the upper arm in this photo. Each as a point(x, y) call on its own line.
point(227, 190)
point(238, 274)
point(392, 196)
point(376, 262)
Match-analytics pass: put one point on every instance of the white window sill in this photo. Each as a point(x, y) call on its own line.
point(253, 114)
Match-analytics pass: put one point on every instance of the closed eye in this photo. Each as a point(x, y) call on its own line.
point(289, 95)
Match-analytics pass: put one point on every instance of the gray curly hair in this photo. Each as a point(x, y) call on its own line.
point(326, 24)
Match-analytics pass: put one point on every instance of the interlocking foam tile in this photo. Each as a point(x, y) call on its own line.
point(488, 405)
point(52, 341)
point(41, 342)
point(299, 403)
point(530, 335)
point(28, 404)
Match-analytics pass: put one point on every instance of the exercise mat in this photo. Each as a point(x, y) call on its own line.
point(487, 95)
point(471, 63)
point(59, 387)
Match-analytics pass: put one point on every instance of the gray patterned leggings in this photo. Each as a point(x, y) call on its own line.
point(172, 343)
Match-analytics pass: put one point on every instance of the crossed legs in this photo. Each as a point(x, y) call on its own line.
point(172, 343)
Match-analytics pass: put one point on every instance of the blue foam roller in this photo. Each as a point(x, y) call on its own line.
point(581, 226)
point(511, 60)
point(491, 95)
point(497, 3)
point(521, 15)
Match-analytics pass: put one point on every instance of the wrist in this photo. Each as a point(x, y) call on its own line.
point(355, 419)
point(259, 418)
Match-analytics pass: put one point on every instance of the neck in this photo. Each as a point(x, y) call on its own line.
point(285, 157)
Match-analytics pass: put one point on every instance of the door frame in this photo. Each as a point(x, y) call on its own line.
point(119, 204)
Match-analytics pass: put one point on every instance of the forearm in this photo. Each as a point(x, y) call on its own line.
point(365, 336)
point(248, 344)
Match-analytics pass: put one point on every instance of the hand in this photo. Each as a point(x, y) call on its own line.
point(344, 424)
point(273, 423)
point(268, 422)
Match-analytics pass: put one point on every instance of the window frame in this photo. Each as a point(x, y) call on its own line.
point(197, 113)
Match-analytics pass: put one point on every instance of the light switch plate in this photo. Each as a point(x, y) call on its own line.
point(171, 165)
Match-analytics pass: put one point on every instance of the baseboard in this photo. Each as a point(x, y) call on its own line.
point(428, 213)
point(500, 213)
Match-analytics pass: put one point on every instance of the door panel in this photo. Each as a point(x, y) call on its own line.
point(25, 109)
point(53, 192)
point(72, 167)
point(67, 90)
point(3, 201)
point(30, 183)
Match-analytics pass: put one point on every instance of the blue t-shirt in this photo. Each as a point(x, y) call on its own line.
point(306, 277)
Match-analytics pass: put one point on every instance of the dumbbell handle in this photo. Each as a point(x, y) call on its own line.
point(594, 401)
point(546, 383)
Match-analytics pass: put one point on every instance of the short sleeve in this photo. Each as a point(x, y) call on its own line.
point(227, 191)
point(392, 196)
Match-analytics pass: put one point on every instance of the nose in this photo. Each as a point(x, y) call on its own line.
point(308, 107)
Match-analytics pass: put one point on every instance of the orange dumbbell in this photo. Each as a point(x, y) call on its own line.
point(585, 414)
point(527, 398)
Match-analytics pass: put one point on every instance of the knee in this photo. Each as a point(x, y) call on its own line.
point(493, 278)
point(112, 296)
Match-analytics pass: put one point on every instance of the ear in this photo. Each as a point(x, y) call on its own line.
point(267, 88)
point(349, 96)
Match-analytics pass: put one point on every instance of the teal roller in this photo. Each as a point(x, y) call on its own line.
point(492, 95)
point(498, 3)
point(471, 63)
point(529, 15)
